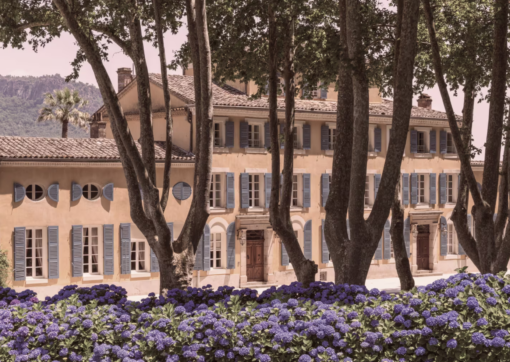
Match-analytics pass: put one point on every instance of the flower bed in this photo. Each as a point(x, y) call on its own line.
point(465, 317)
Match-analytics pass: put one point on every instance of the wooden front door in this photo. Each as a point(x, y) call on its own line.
point(255, 255)
point(423, 247)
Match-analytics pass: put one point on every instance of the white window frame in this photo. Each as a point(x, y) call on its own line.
point(452, 242)
point(371, 192)
point(452, 146)
point(220, 121)
point(214, 204)
point(451, 193)
point(297, 180)
point(425, 192)
point(298, 126)
point(251, 141)
point(33, 191)
point(215, 230)
point(145, 259)
point(99, 194)
point(99, 251)
point(44, 255)
point(331, 135)
point(251, 179)
point(426, 139)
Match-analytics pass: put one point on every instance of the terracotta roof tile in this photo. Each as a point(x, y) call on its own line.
point(182, 87)
point(75, 149)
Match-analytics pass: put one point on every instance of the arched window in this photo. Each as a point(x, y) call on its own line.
point(452, 241)
point(218, 253)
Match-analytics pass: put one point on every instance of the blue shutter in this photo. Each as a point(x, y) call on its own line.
point(199, 255)
point(19, 193)
point(282, 135)
point(77, 263)
point(181, 191)
point(267, 188)
point(19, 253)
point(108, 192)
point(154, 262)
point(108, 254)
point(379, 251)
point(231, 196)
point(125, 248)
point(53, 255)
point(377, 140)
point(207, 247)
point(306, 190)
point(324, 246)
point(171, 227)
point(231, 246)
point(285, 256)
point(186, 191)
point(407, 236)
point(444, 236)
point(324, 92)
point(76, 191)
point(442, 142)
point(325, 188)
point(245, 197)
point(324, 137)
point(432, 184)
point(267, 135)
point(387, 240)
point(229, 134)
point(405, 188)
point(53, 192)
point(377, 181)
point(308, 240)
point(243, 134)
point(414, 141)
point(307, 137)
point(414, 188)
point(442, 188)
point(433, 146)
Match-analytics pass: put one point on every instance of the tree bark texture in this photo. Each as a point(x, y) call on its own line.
point(65, 128)
point(484, 251)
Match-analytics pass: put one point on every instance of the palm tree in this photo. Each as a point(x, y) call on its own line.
point(64, 107)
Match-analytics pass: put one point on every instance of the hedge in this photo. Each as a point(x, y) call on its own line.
point(463, 318)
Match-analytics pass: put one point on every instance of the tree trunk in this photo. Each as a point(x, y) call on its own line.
point(399, 247)
point(65, 128)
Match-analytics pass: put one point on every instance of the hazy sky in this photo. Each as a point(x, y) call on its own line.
point(57, 56)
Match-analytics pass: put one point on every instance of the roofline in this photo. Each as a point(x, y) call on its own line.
point(81, 160)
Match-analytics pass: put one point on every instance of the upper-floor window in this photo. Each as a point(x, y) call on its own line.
point(254, 190)
point(91, 250)
point(332, 138)
point(421, 189)
point(452, 242)
point(367, 191)
point(91, 191)
point(139, 250)
point(215, 193)
point(423, 140)
point(255, 135)
point(34, 192)
point(450, 145)
point(218, 139)
point(422, 145)
point(35, 250)
point(216, 246)
point(449, 188)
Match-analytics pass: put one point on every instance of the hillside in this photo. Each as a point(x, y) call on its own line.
point(21, 98)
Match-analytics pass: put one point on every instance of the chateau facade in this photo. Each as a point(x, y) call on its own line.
point(65, 211)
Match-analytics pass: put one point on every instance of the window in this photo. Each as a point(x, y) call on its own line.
point(452, 248)
point(254, 135)
point(450, 146)
point(217, 135)
point(367, 191)
point(254, 190)
point(422, 142)
point(215, 192)
point(332, 137)
point(421, 189)
point(34, 192)
point(296, 139)
point(34, 253)
point(449, 188)
point(90, 192)
point(138, 255)
point(90, 250)
point(294, 190)
point(216, 250)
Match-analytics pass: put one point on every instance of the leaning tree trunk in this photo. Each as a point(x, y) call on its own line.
point(304, 269)
point(65, 128)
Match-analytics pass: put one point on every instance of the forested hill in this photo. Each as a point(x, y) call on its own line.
point(21, 98)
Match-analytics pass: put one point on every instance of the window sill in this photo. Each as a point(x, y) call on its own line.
point(329, 152)
point(451, 156)
point(372, 154)
point(255, 150)
point(422, 207)
point(92, 277)
point(221, 150)
point(296, 209)
point(217, 210)
point(452, 257)
point(450, 205)
point(368, 208)
point(144, 274)
point(299, 151)
point(218, 271)
point(255, 210)
point(30, 281)
point(423, 155)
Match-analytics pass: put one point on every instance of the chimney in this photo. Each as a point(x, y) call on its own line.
point(93, 126)
point(424, 101)
point(124, 77)
point(97, 126)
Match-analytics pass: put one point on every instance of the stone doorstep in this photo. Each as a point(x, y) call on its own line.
point(256, 285)
point(426, 273)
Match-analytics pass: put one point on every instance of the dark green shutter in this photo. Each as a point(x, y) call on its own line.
point(229, 134)
point(324, 246)
point(407, 236)
point(443, 228)
point(307, 137)
point(231, 196)
point(125, 248)
point(306, 190)
point(245, 196)
point(53, 192)
point(307, 240)
point(108, 240)
point(324, 188)
point(432, 187)
point(387, 240)
point(231, 246)
point(53, 254)
point(77, 263)
point(19, 253)
point(108, 192)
